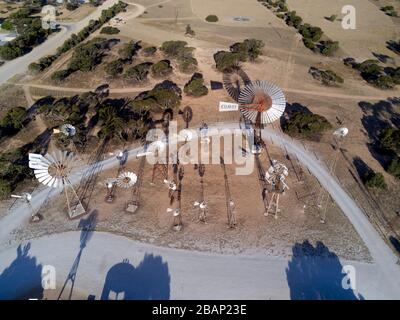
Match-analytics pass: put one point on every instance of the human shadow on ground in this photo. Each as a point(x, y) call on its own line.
point(150, 280)
point(315, 273)
point(22, 279)
point(87, 227)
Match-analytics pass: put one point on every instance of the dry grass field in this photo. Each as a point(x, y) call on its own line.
point(286, 62)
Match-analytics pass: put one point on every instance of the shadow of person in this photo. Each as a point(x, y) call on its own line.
point(150, 280)
point(315, 273)
point(23, 278)
point(87, 227)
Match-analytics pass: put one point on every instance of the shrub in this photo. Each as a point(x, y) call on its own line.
point(293, 20)
point(195, 87)
point(187, 64)
point(331, 18)
point(226, 61)
point(310, 32)
point(309, 43)
point(394, 167)
point(307, 125)
point(161, 68)
point(212, 18)
point(389, 140)
point(149, 51)
point(248, 49)
point(7, 25)
point(114, 68)
point(375, 180)
point(329, 47)
point(14, 118)
point(60, 75)
point(139, 72)
point(5, 189)
point(174, 48)
point(109, 30)
point(326, 77)
point(71, 6)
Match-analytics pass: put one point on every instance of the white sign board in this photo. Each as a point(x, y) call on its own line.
point(228, 106)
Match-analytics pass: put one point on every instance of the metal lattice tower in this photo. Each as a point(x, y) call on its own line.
point(230, 205)
point(53, 171)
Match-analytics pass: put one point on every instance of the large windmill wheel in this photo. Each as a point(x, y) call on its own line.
point(264, 100)
point(234, 81)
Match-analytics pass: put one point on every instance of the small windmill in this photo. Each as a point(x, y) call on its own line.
point(27, 198)
point(134, 203)
point(53, 170)
point(275, 176)
point(110, 185)
point(160, 168)
point(68, 131)
point(201, 204)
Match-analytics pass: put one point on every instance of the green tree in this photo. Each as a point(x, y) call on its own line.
point(139, 72)
point(161, 68)
point(195, 87)
point(114, 68)
point(375, 180)
point(212, 18)
point(14, 118)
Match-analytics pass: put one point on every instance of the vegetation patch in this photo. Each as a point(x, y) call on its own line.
point(248, 50)
point(195, 87)
point(375, 74)
point(212, 18)
point(109, 30)
point(306, 125)
point(326, 77)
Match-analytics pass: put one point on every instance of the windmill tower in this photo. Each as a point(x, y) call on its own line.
point(133, 204)
point(160, 168)
point(53, 170)
point(230, 205)
point(201, 204)
point(261, 103)
point(275, 177)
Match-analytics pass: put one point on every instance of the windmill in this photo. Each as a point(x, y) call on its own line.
point(160, 168)
point(27, 198)
point(230, 205)
point(133, 204)
point(323, 197)
point(110, 185)
point(201, 204)
point(275, 177)
point(53, 170)
point(175, 194)
point(68, 131)
point(261, 103)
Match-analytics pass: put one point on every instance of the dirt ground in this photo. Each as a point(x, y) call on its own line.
point(254, 232)
point(285, 62)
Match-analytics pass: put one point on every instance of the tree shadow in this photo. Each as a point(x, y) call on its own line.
point(395, 243)
point(315, 273)
point(87, 227)
point(362, 168)
point(150, 280)
point(22, 280)
point(376, 118)
point(383, 57)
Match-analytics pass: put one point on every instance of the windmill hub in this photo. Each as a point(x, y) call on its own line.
point(262, 101)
